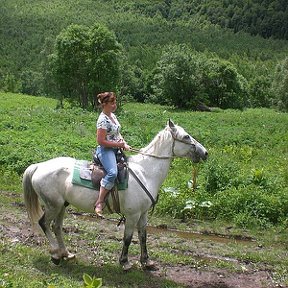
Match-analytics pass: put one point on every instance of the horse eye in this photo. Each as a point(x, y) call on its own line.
point(186, 137)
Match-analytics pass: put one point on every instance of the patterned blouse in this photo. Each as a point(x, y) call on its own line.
point(113, 129)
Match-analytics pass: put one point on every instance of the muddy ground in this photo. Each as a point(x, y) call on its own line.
point(205, 250)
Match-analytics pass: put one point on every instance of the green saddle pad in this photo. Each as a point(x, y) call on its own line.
point(80, 164)
point(77, 180)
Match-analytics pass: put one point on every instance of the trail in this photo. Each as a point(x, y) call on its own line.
point(197, 260)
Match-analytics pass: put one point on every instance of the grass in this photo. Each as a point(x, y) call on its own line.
point(246, 172)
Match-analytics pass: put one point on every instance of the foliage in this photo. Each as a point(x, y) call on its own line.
point(280, 85)
point(86, 62)
point(91, 282)
point(245, 179)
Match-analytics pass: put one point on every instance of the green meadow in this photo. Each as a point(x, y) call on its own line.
point(240, 192)
point(244, 180)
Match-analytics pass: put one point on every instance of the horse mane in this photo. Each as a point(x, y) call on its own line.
point(157, 141)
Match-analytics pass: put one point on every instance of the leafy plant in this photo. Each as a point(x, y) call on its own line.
point(92, 282)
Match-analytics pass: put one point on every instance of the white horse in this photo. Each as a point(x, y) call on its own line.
point(51, 181)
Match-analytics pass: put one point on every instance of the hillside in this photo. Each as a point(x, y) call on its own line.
point(28, 30)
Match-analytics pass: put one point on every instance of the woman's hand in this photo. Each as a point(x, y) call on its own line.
point(124, 145)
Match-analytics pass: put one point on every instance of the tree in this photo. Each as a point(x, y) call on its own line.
point(176, 81)
point(223, 85)
point(185, 78)
point(31, 82)
point(260, 91)
point(104, 60)
point(86, 62)
point(280, 85)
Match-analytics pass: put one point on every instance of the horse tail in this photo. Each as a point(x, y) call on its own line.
point(31, 200)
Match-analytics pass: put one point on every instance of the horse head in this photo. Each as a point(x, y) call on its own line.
point(185, 145)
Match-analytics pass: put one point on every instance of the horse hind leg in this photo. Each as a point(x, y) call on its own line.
point(57, 249)
point(57, 228)
point(45, 224)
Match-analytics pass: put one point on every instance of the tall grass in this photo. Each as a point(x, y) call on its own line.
point(245, 179)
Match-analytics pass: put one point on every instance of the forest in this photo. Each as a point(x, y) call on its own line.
point(224, 53)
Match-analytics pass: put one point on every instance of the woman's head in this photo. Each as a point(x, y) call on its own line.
point(106, 97)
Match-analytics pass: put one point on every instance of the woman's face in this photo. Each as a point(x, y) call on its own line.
point(110, 106)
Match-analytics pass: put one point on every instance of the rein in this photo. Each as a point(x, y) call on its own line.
point(150, 155)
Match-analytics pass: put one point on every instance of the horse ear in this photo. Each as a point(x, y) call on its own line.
point(171, 124)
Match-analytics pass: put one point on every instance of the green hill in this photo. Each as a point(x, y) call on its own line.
point(28, 30)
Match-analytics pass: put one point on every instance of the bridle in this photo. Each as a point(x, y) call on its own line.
point(164, 157)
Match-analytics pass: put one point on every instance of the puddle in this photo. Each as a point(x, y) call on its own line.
point(203, 236)
point(207, 236)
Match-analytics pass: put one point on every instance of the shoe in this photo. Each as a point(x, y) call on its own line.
point(98, 210)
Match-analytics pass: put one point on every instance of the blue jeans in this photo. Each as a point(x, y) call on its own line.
point(107, 156)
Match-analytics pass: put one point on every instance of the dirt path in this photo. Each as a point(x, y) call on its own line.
point(208, 265)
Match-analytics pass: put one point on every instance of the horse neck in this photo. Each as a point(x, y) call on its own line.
point(155, 158)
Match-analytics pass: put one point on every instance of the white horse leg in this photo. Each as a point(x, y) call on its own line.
point(57, 228)
point(128, 234)
point(45, 223)
point(57, 247)
point(142, 235)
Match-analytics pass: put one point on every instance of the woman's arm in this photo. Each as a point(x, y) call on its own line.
point(101, 139)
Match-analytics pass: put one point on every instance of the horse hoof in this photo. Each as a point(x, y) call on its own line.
point(150, 265)
point(55, 260)
point(127, 266)
point(70, 256)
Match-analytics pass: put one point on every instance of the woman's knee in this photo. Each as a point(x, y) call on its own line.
point(112, 174)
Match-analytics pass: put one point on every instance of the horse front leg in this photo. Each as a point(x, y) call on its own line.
point(142, 236)
point(128, 234)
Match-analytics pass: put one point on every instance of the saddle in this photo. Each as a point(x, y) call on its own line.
point(89, 175)
point(98, 172)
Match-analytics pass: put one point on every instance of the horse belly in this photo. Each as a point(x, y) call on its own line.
point(80, 197)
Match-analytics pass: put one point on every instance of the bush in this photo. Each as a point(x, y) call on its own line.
point(248, 205)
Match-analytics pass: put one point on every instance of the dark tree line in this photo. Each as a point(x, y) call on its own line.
point(268, 18)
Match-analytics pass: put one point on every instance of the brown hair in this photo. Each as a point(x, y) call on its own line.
point(106, 97)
